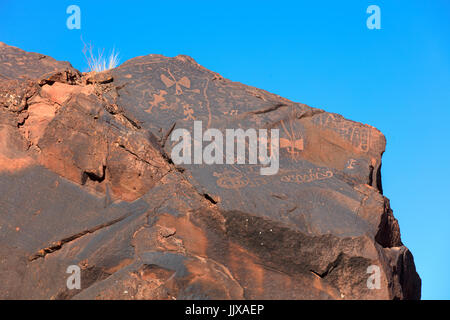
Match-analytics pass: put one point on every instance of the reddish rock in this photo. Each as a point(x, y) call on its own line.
point(86, 179)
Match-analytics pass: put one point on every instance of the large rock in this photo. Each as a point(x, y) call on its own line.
point(87, 179)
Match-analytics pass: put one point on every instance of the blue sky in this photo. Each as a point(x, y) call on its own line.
point(317, 52)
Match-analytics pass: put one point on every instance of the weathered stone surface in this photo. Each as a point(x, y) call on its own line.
point(86, 178)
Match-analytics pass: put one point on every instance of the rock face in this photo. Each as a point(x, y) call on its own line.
point(87, 179)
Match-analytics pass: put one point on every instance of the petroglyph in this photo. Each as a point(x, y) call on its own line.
point(229, 179)
point(351, 163)
point(233, 112)
point(308, 176)
point(157, 100)
point(188, 112)
point(294, 144)
point(358, 136)
point(169, 82)
point(234, 179)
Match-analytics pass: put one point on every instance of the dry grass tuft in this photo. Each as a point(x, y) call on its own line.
point(98, 62)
